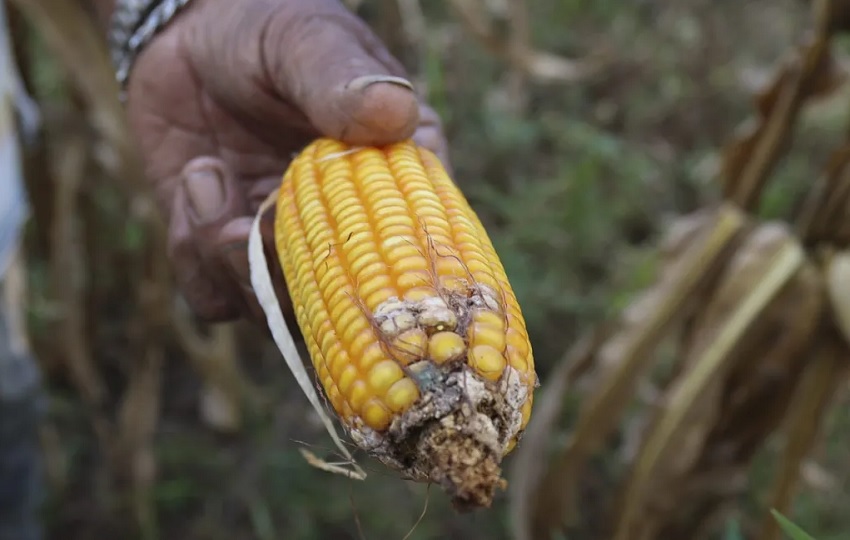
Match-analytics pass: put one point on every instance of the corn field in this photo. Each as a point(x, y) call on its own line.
point(674, 225)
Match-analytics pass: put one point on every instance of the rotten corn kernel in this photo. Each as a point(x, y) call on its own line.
point(398, 292)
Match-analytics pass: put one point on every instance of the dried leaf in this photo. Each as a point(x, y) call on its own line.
point(749, 159)
point(619, 362)
point(825, 77)
point(747, 309)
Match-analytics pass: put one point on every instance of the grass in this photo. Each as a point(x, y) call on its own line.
point(792, 530)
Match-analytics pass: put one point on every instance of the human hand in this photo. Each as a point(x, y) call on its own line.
point(221, 100)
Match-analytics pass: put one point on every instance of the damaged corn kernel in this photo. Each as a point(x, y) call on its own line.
point(412, 327)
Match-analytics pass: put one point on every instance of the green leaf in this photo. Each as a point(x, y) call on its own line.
point(792, 530)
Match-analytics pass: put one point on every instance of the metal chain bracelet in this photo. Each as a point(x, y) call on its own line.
point(134, 23)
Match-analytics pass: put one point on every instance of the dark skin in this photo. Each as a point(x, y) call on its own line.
point(221, 100)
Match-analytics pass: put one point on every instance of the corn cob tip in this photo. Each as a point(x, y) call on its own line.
point(464, 466)
point(464, 420)
point(455, 437)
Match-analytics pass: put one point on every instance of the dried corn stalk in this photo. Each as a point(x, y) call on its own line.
point(694, 249)
point(745, 326)
point(746, 348)
point(755, 330)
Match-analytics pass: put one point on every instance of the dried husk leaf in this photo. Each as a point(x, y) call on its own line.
point(743, 362)
point(695, 248)
point(262, 283)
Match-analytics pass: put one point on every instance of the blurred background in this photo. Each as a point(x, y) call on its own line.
point(579, 129)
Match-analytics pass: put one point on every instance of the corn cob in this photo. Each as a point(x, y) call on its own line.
point(414, 332)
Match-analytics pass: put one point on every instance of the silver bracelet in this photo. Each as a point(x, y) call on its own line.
point(134, 23)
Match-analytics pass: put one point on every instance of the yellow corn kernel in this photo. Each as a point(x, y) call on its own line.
point(383, 375)
point(487, 328)
point(401, 393)
point(488, 318)
point(410, 346)
point(375, 414)
point(379, 249)
point(445, 347)
point(488, 361)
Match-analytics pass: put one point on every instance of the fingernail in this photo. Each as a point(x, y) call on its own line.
point(205, 188)
point(382, 109)
point(360, 83)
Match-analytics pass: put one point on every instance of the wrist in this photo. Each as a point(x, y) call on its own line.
point(132, 24)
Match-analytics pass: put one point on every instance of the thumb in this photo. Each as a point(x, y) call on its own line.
point(326, 61)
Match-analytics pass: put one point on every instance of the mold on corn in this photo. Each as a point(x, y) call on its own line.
point(412, 327)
